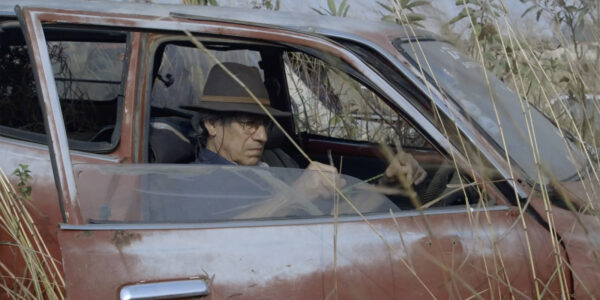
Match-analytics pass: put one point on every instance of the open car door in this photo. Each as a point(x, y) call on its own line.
point(169, 231)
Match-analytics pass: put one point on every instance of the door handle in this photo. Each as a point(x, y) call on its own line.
point(165, 290)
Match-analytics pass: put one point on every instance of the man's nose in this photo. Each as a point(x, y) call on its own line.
point(260, 134)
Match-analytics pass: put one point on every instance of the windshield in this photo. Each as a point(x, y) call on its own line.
point(464, 81)
point(210, 193)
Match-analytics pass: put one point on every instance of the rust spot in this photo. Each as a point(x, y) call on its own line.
point(84, 234)
point(234, 295)
point(123, 238)
point(513, 212)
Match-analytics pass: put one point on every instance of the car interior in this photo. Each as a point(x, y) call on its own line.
point(342, 137)
point(337, 117)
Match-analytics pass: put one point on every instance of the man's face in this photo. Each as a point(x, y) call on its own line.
point(242, 141)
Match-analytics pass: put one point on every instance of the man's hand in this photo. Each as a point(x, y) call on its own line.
point(405, 166)
point(316, 184)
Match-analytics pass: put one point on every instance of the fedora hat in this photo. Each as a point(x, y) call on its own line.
point(223, 94)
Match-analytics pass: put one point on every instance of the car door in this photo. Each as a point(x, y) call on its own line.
point(23, 140)
point(119, 241)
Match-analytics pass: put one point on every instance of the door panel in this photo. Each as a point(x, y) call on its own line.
point(260, 260)
point(46, 212)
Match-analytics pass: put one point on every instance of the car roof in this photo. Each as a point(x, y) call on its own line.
point(311, 23)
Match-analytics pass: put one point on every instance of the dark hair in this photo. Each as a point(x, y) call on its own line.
point(198, 123)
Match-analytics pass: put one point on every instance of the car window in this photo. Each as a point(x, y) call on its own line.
point(464, 81)
point(155, 193)
point(198, 193)
point(88, 68)
point(329, 103)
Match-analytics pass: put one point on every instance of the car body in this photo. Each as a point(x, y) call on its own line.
point(110, 78)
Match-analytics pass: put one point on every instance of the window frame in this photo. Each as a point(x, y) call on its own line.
point(372, 88)
point(166, 37)
point(31, 19)
point(74, 144)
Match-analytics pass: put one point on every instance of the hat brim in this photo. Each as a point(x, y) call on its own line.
point(250, 108)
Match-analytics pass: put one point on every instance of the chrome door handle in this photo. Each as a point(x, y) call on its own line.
point(165, 290)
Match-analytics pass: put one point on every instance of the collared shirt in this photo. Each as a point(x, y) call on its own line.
point(208, 157)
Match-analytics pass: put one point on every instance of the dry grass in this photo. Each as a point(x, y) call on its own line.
point(538, 74)
point(41, 277)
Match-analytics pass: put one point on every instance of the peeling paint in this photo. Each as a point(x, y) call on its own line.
point(123, 238)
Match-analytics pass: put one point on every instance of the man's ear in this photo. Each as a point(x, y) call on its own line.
point(210, 128)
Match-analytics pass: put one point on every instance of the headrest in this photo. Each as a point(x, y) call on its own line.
point(276, 138)
point(172, 140)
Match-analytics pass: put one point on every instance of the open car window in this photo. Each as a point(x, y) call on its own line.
point(329, 103)
point(338, 108)
point(88, 69)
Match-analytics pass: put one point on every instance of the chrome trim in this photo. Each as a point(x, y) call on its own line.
point(165, 290)
point(54, 123)
point(269, 223)
point(37, 146)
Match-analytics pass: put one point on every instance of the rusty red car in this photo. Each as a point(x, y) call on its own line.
point(91, 96)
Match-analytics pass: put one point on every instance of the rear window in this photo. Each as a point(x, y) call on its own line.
point(88, 67)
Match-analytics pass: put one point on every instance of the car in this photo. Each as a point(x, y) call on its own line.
point(91, 100)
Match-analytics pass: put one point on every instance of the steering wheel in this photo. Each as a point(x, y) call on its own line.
point(437, 185)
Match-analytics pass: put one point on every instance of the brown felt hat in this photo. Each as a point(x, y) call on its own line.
point(223, 94)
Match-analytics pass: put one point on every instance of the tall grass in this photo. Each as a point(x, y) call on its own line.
point(555, 84)
point(509, 52)
point(498, 45)
point(41, 277)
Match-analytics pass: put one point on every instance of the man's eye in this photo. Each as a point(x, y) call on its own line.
point(254, 123)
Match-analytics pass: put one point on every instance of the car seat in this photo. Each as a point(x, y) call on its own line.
point(172, 140)
point(273, 154)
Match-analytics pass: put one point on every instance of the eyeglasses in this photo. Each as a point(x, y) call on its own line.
point(251, 124)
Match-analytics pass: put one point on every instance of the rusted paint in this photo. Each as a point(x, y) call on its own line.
point(580, 235)
point(85, 234)
point(123, 238)
point(126, 147)
point(366, 266)
point(144, 103)
point(54, 123)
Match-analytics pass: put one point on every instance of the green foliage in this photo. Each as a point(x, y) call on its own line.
point(481, 16)
point(332, 10)
point(570, 13)
point(201, 2)
point(23, 187)
point(402, 12)
point(576, 78)
point(268, 4)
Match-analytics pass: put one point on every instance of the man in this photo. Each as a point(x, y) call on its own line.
point(233, 130)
